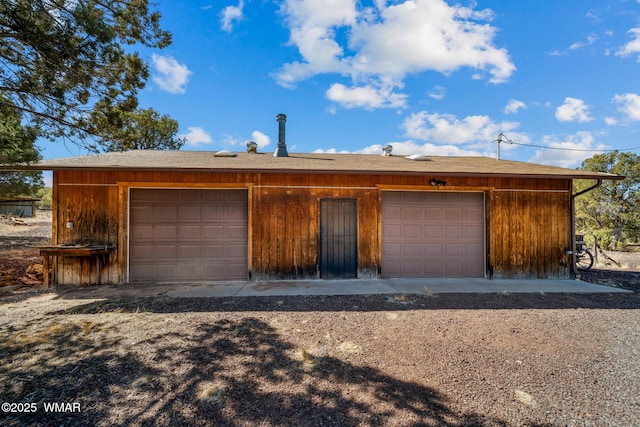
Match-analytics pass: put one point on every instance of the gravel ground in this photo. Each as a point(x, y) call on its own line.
point(376, 360)
point(415, 360)
point(39, 226)
point(37, 231)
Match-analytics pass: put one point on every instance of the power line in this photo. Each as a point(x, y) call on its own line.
point(507, 140)
point(574, 149)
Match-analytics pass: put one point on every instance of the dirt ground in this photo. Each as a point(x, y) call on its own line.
point(16, 246)
point(405, 360)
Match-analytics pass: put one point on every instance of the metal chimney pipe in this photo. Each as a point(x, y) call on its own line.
point(281, 149)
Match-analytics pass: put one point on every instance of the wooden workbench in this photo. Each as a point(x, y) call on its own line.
point(100, 252)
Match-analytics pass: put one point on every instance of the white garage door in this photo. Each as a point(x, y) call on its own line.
point(185, 235)
point(432, 234)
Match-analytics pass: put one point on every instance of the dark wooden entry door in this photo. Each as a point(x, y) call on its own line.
point(338, 238)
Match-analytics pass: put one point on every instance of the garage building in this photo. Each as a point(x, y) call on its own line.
point(178, 216)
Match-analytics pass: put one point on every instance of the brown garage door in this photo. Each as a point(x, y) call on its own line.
point(184, 235)
point(432, 234)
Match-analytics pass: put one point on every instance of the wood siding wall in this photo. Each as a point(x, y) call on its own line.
point(528, 220)
point(529, 235)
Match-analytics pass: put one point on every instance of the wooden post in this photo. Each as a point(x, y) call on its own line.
point(45, 268)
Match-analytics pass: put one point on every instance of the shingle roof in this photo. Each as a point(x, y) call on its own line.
point(206, 161)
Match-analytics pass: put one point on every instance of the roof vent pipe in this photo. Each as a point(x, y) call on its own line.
point(252, 147)
point(387, 149)
point(281, 149)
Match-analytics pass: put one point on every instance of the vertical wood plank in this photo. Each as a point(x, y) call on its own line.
point(250, 232)
point(547, 223)
point(280, 239)
point(122, 255)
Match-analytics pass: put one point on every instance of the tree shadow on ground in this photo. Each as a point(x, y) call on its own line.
point(62, 362)
point(258, 377)
point(224, 373)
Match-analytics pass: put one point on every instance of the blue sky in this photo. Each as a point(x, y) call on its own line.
point(426, 76)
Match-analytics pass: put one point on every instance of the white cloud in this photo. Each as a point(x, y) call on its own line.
point(611, 121)
point(569, 155)
point(231, 14)
point(590, 40)
point(448, 129)
point(260, 138)
point(408, 148)
point(304, 14)
point(591, 14)
point(312, 26)
point(367, 97)
point(513, 106)
point(428, 35)
point(633, 46)
point(196, 136)
point(231, 141)
point(383, 44)
point(437, 92)
point(446, 135)
point(630, 105)
point(573, 110)
point(330, 151)
point(170, 75)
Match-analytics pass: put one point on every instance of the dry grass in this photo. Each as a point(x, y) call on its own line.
point(37, 336)
point(141, 382)
point(307, 358)
point(349, 347)
point(87, 326)
point(211, 392)
point(399, 299)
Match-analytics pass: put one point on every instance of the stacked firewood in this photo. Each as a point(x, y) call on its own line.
point(34, 275)
point(7, 279)
point(8, 283)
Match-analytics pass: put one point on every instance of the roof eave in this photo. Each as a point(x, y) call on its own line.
point(116, 168)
